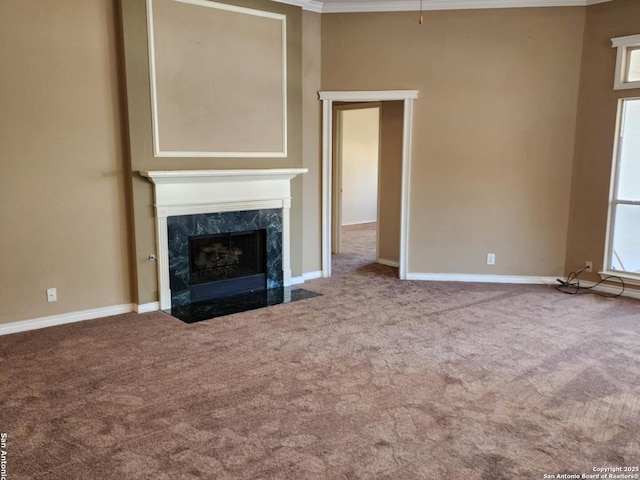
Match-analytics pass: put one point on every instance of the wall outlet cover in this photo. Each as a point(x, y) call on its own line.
point(52, 295)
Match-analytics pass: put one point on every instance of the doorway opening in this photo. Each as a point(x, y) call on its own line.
point(400, 103)
point(356, 159)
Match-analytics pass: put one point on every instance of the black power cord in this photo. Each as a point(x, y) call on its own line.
point(572, 285)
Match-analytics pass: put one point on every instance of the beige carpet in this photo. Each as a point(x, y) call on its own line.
point(376, 379)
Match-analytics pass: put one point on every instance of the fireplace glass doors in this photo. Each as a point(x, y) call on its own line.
point(227, 263)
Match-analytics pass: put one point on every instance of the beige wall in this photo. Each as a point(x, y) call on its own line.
point(218, 78)
point(595, 130)
point(493, 127)
point(493, 140)
point(62, 164)
point(391, 130)
point(311, 144)
point(139, 108)
point(359, 157)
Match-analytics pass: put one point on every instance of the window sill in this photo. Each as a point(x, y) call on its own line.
point(629, 278)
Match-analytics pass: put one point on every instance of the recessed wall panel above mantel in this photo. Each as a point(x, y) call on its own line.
point(218, 80)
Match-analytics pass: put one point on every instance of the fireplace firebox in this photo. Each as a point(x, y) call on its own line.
point(227, 263)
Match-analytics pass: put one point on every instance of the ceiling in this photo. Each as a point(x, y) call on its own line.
point(343, 6)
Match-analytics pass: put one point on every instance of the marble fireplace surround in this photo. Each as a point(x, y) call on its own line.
point(189, 192)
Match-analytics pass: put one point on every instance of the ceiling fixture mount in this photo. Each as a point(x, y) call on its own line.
point(420, 20)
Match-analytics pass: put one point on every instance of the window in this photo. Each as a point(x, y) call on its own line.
point(633, 66)
point(627, 62)
point(623, 246)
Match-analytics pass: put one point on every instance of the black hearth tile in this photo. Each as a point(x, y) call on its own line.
point(219, 307)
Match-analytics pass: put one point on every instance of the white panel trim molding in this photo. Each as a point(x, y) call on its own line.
point(147, 307)
point(186, 192)
point(465, 277)
point(328, 97)
point(64, 318)
point(352, 6)
point(157, 152)
point(387, 262)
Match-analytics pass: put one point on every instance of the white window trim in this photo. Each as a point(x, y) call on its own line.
point(628, 277)
point(624, 46)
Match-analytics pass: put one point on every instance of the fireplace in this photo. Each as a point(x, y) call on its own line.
point(227, 263)
point(190, 203)
point(213, 255)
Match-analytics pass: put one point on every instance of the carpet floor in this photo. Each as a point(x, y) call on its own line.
point(375, 379)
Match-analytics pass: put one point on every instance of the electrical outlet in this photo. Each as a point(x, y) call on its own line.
point(588, 266)
point(491, 258)
point(52, 295)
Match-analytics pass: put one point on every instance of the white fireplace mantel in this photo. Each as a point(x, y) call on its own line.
point(179, 176)
point(188, 192)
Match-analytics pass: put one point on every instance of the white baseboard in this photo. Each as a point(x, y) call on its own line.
point(389, 263)
point(50, 321)
point(306, 276)
point(359, 223)
point(312, 275)
point(613, 289)
point(147, 307)
point(465, 277)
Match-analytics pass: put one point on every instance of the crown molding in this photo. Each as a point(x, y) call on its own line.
point(309, 5)
point(354, 6)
